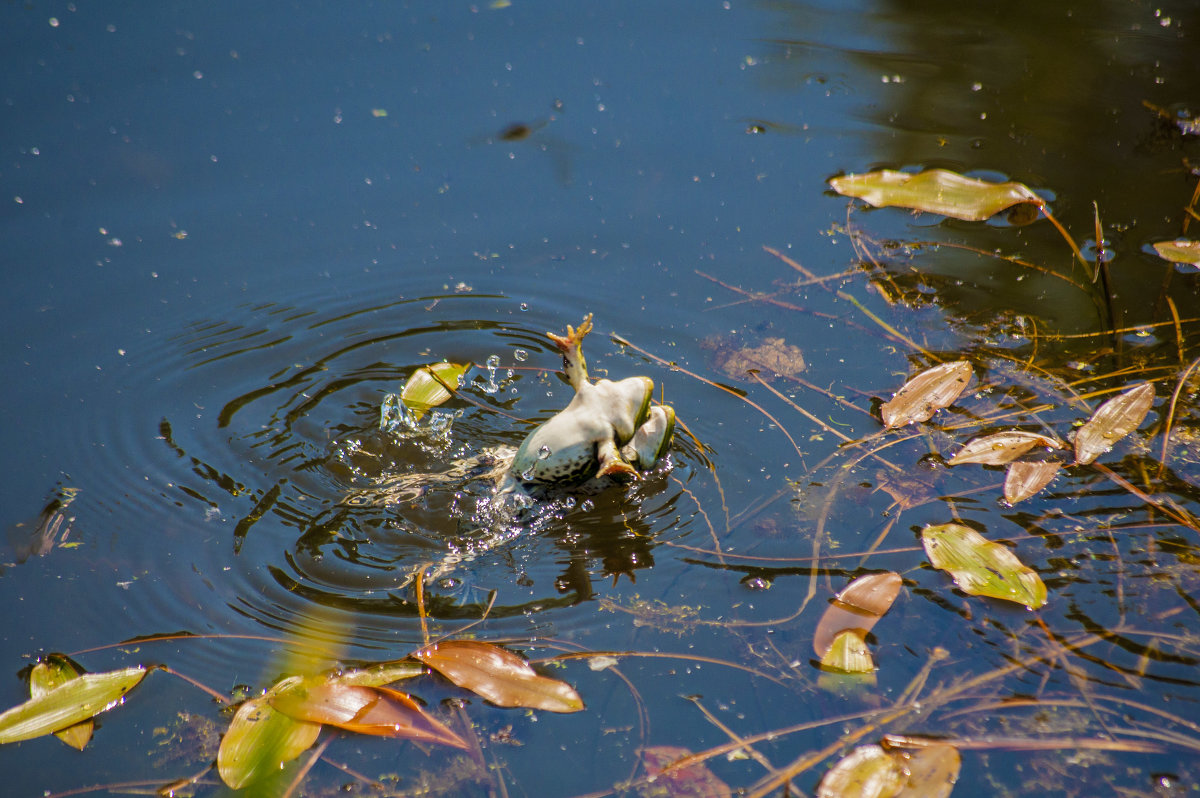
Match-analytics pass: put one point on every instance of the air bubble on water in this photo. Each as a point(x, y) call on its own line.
point(587, 505)
point(757, 583)
point(524, 306)
point(543, 452)
point(520, 355)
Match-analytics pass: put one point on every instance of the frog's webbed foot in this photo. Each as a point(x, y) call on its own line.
point(612, 463)
point(571, 346)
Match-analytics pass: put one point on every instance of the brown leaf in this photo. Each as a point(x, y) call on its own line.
point(1112, 421)
point(1026, 479)
point(858, 606)
point(378, 711)
point(866, 772)
point(693, 781)
point(926, 393)
point(499, 675)
point(937, 191)
point(932, 771)
point(1001, 448)
point(773, 356)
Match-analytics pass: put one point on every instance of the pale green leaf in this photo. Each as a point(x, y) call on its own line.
point(430, 386)
point(848, 654)
point(982, 567)
point(1179, 251)
point(936, 191)
point(71, 702)
point(54, 671)
point(260, 741)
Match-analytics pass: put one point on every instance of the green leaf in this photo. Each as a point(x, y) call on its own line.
point(981, 567)
point(926, 393)
point(1179, 251)
point(936, 191)
point(430, 386)
point(54, 671)
point(71, 702)
point(1112, 421)
point(380, 675)
point(259, 741)
point(848, 654)
point(498, 675)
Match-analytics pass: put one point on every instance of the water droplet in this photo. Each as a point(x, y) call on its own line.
point(543, 452)
point(524, 307)
point(757, 583)
point(520, 355)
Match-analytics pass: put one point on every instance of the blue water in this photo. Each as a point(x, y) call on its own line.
point(230, 230)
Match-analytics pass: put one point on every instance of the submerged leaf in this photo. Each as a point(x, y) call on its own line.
point(430, 386)
point(71, 702)
point(848, 654)
point(1026, 479)
point(932, 771)
point(693, 781)
point(937, 191)
point(54, 671)
point(925, 394)
point(982, 567)
point(866, 772)
point(857, 607)
point(1112, 421)
point(377, 711)
point(380, 675)
point(1179, 251)
point(1001, 448)
point(259, 741)
point(499, 675)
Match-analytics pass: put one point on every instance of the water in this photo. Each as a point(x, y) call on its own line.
point(231, 234)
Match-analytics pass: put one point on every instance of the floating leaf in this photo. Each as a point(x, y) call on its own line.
point(259, 741)
point(1001, 448)
point(430, 386)
point(858, 607)
point(848, 654)
point(1026, 479)
point(54, 671)
point(932, 771)
point(926, 393)
point(73, 701)
point(1112, 421)
point(1179, 251)
point(499, 675)
point(380, 675)
point(936, 191)
point(693, 781)
point(377, 711)
point(981, 567)
point(866, 772)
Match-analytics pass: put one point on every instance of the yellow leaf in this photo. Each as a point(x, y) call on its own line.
point(937, 191)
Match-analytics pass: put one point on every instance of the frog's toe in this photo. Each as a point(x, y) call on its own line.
point(612, 464)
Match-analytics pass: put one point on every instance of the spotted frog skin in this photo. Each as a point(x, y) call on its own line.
point(608, 429)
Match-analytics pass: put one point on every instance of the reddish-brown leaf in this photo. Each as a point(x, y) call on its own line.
point(1026, 479)
point(378, 711)
point(1001, 448)
point(858, 606)
point(693, 781)
point(1112, 421)
point(926, 393)
point(499, 675)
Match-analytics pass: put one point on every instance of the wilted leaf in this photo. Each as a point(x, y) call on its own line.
point(937, 191)
point(981, 567)
point(1001, 448)
point(867, 772)
point(498, 675)
point(431, 385)
point(259, 741)
point(932, 771)
point(693, 781)
point(773, 356)
point(848, 654)
point(926, 393)
point(858, 607)
point(1112, 421)
point(54, 671)
point(1179, 251)
point(377, 711)
point(71, 702)
point(1026, 479)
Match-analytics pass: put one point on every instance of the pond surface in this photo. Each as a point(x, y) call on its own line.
point(231, 231)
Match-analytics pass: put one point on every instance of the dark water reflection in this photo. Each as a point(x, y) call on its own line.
point(230, 234)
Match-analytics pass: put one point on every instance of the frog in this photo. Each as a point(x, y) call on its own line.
point(609, 428)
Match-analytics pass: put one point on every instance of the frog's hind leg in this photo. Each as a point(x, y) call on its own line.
point(611, 461)
point(571, 346)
